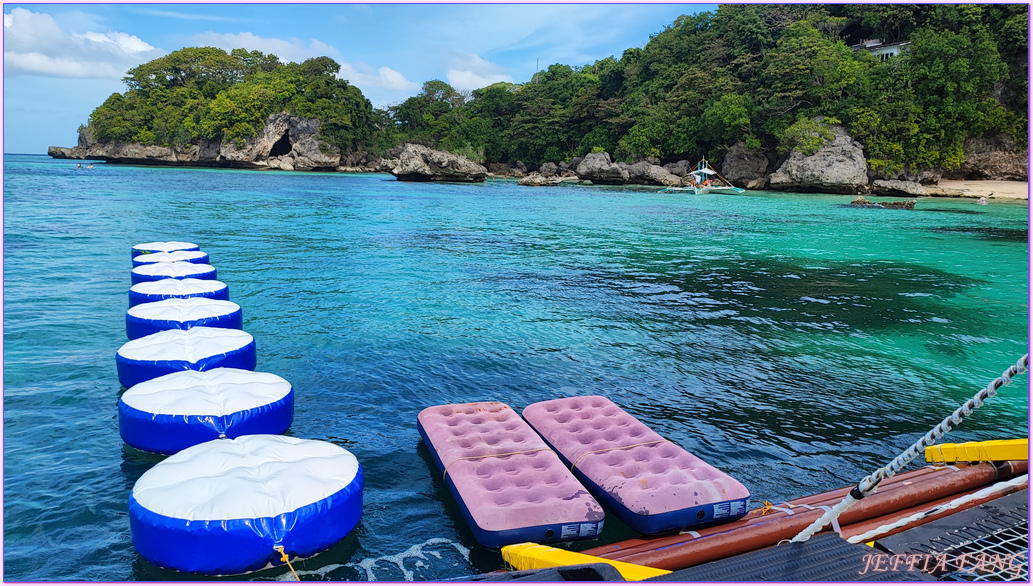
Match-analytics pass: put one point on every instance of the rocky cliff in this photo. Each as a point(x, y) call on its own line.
point(286, 142)
point(994, 158)
point(746, 167)
point(837, 167)
point(419, 163)
point(598, 168)
point(293, 144)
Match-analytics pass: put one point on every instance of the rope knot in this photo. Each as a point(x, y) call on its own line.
point(283, 558)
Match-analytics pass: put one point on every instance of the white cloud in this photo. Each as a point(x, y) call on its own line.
point(57, 66)
point(35, 44)
point(468, 80)
point(360, 75)
point(187, 15)
point(287, 50)
point(470, 72)
point(117, 42)
point(363, 76)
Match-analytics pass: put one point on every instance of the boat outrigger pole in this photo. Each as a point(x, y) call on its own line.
point(869, 484)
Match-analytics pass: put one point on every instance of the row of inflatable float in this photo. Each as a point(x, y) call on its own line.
point(546, 475)
point(234, 496)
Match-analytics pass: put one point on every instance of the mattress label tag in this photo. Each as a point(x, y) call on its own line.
point(721, 510)
point(580, 530)
point(738, 508)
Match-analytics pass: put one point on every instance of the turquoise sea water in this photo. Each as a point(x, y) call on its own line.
point(791, 340)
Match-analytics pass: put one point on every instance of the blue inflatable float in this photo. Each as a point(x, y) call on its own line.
point(222, 507)
point(172, 270)
point(173, 412)
point(194, 256)
point(199, 348)
point(153, 247)
point(182, 314)
point(150, 291)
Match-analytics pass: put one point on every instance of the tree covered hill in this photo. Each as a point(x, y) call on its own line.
point(760, 74)
point(206, 93)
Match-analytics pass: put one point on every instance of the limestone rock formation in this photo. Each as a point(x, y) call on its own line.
point(419, 163)
point(899, 205)
point(90, 148)
point(563, 169)
point(923, 176)
point(743, 165)
point(536, 179)
point(292, 142)
point(599, 169)
point(285, 142)
point(548, 169)
point(838, 167)
point(681, 168)
point(761, 183)
point(995, 159)
point(938, 191)
point(646, 173)
point(862, 201)
point(895, 187)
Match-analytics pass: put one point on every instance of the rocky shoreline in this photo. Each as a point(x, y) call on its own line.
point(290, 143)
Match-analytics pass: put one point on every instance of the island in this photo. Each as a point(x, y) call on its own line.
point(852, 99)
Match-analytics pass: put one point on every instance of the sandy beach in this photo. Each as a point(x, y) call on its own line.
point(989, 189)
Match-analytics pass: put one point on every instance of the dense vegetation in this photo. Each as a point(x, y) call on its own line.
point(756, 73)
point(205, 93)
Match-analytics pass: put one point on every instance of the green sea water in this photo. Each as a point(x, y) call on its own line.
point(789, 339)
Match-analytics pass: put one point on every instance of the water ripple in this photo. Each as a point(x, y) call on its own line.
point(790, 341)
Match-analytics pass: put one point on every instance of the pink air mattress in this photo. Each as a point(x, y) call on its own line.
point(650, 483)
point(510, 486)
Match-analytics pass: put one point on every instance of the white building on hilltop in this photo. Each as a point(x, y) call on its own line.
point(882, 51)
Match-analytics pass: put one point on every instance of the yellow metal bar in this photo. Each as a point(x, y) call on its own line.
point(991, 451)
point(531, 556)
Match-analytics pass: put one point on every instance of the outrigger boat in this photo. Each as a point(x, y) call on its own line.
point(706, 180)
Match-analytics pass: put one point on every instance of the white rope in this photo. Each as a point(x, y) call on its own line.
point(988, 491)
point(866, 486)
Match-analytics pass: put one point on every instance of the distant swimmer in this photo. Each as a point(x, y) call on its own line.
point(90, 166)
point(982, 201)
point(79, 166)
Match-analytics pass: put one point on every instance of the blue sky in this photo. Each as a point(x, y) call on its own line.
point(63, 60)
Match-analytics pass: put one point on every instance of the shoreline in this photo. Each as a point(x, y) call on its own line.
point(989, 189)
point(969, 188)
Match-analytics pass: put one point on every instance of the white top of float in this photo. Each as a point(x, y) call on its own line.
point(178, 287)
point(165, 246)
point(250, 477)
point(174, 256)
point(173, 269)
point(189, 345)
point(183, 310)
point(216, 392)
